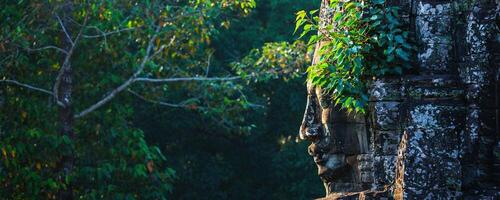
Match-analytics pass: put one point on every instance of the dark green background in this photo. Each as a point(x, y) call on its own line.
point(214, 163)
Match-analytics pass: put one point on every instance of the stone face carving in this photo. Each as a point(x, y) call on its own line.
point(431, 134)
point(338, 143)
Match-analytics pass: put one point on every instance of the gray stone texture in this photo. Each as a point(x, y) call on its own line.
point(434, 132)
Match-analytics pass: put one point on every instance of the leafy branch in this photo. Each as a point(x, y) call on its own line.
point(362, 40)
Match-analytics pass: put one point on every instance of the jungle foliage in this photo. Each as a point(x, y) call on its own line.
point(365, 39)
point(265, 162)
point(168, 99)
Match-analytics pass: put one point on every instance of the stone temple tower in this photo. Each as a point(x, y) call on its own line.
point(432, 133)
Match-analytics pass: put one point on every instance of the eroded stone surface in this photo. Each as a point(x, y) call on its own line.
point(433, 134)
point(385, 90)
point(385, 115)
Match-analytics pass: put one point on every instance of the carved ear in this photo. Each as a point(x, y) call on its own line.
point(325, 115)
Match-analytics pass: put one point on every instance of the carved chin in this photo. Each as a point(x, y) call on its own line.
point(333, 165)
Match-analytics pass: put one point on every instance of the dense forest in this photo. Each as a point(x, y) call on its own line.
point(260, 156)
point(153, 100)
point(213, 99)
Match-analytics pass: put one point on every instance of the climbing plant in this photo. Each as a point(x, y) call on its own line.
point(360, 40)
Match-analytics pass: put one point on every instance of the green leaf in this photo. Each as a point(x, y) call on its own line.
point(399, 39)
point(303, 34)
point(375, 24)
point(312, 40)
point(392, 19)
point(398, 70)
point(350, 5)
point(390, 58)
point(358, 47)
point(348, 101)
point(402, 54)
point(301, 14)
point(307, 27)
point(337, 16)
point(52, 184)
point(298, 24)
point(389, 50)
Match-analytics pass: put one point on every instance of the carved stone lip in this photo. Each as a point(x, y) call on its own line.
point(322, 171)
point(325, 174)
point(319, 160)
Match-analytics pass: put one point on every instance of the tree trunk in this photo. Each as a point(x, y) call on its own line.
point(64, 96)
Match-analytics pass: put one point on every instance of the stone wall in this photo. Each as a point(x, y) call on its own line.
point(434, 133)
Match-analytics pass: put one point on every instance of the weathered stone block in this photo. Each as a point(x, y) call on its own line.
point(422, 93)
point(489, 123)
point(365, 168)
point(433, 7)
point(416, 193)
point(385, 90)
point(481, 123)
point(433, 88)
point(445, 80)
point(478, 72)
point(384, 170)
point(435, 58)
point(480, 29)
point(385, 115)
point(435, 29)
point(483, 95)
point(386, 142)
point(432, 161)
point(432, 116)
point(352, 137)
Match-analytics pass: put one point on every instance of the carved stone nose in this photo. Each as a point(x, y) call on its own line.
point(311, 129)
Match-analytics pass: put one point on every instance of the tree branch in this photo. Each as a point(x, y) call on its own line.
point(179, 105)
point(127, 83)
point(27, 86)
point(208, 64)
point(66, 63)
point(250, 104)
point(48, 47)
point(185, 79)
point(104, 34)
point(64, 30)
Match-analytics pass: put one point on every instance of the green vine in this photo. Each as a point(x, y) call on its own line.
point(364, 40)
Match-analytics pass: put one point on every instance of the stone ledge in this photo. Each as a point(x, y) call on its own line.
point(365, 195)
